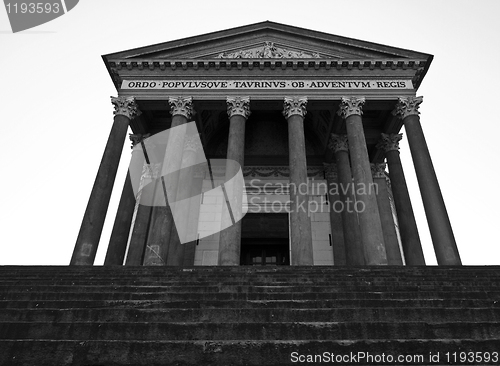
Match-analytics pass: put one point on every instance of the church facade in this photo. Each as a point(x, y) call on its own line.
point(309, 121)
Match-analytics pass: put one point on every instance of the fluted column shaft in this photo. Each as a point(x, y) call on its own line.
point(437, 216)
point(162, 222)
point(386, 217)
point(352, 234)
point(300, 223)
point(95, 214)
point(369, 217)
point(238, 110)
point(408, 229)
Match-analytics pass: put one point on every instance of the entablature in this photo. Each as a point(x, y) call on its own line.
point(267, 68)
point(267, 50)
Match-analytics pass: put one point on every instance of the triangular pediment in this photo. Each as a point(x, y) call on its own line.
point(267, 40)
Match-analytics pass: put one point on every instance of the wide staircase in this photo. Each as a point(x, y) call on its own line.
point(249, 315)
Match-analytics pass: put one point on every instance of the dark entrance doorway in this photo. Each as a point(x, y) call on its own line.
point(264, 252)
point(264, 240)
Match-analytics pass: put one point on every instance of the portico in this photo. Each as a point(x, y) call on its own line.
point(301, 114)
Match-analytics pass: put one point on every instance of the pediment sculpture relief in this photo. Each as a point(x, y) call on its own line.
point(269, 50)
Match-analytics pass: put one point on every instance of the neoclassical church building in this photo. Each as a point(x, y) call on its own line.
point(264, 219)
point(311, 120)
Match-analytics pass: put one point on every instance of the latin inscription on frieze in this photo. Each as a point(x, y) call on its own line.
point(265, 84)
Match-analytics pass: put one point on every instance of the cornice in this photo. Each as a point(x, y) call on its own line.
point(304, 63)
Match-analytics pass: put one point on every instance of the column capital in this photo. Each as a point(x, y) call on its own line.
point(125, 106)
point(238, 106)
point(331, 171)
point(378, 170)
point(389, 142)
point(181, 106)
point(295, 105)
point(350, 106)
point(338, 143)
point(407, 106)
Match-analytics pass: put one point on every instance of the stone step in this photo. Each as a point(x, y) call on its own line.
point(239, 296)
point(249, 331)
point(380, 271)
point(244, 352)
point(243, 315)
point(320, 282)
point(252, 293)
point(242, 287)
point(251, 315)
point(273, 269)
point(245, 303)
point(242, 276)
point(158, 273)
point(97, 275)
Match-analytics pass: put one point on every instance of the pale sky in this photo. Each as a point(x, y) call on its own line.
point(56, 111)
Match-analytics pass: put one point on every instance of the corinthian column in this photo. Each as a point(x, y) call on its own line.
point(300, 224)
point(346, 206)
point(238, 110)
point(435, 209)
point(162, 222)
point(93, 219)
point(368, 214)
point(386, 217)
point(410, 239)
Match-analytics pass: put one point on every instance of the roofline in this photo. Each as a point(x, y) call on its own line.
point(158, 47)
